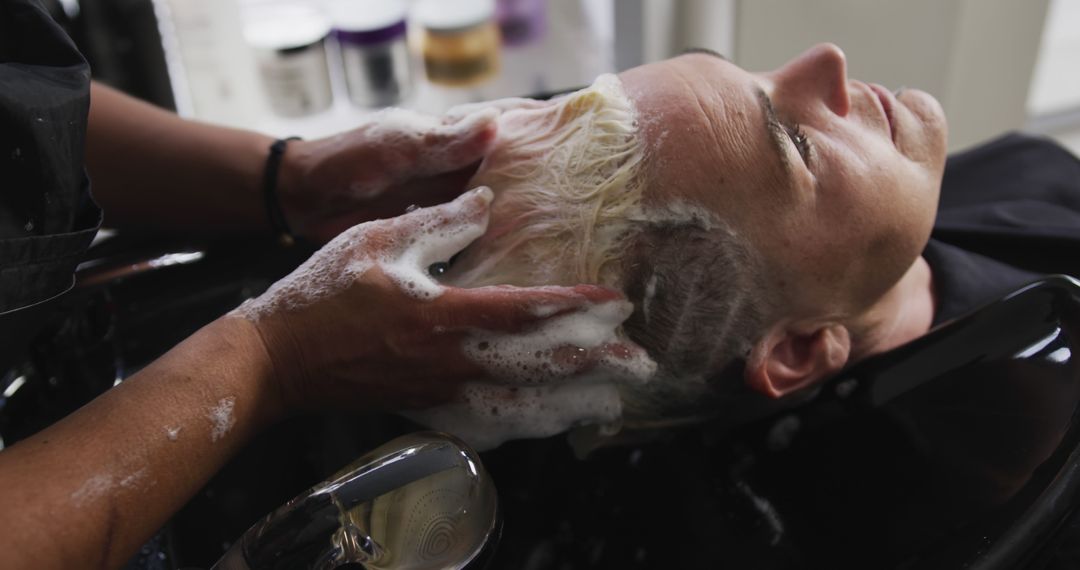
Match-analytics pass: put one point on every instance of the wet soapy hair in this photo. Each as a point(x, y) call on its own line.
point(570, 207)
point(566, 192)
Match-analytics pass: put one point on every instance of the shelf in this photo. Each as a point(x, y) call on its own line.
point(215, 77)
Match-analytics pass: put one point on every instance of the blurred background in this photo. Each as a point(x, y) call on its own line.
point(314, 67)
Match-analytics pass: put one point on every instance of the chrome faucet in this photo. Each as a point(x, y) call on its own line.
point(421, 501)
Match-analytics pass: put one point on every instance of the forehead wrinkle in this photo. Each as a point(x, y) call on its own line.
point(747, 137)
point(703, 108)
point(732, 152)
point(730, 133)
point(744, 140)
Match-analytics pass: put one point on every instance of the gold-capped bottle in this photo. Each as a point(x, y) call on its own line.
point(457, 40)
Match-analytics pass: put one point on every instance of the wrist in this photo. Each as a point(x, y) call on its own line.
point(249, 162)
point(254, 370)
point(293, 197)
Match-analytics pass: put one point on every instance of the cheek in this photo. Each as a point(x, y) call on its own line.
point(926, 144)
point(865, 229)
point(862, 227)
point(900, 212)
point(875, 193)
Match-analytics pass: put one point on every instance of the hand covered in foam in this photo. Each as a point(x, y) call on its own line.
point(583, 344)
point(394, 159)
point(498, 105)
point(564, 172)
point(363, 325)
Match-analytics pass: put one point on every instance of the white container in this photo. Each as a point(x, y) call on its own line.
point(210, 66)
point(289, 42)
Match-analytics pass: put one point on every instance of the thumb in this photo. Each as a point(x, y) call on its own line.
point(512, 309)
point(563, 346)
point(453, 146)
point(425, 236)
point(454, 224)
point(500, 105)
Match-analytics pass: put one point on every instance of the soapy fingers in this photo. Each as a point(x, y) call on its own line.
point(392, 159)
point(364, 325)
point(437, 233)
point(499, 106)
point(537, 349)
point(522, 335)
point(486, 416)
point(405, 144)
point(457, 143)
point(581, 345)
point(506, 308)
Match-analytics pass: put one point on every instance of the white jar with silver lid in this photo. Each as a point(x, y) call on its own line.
point(289, 41)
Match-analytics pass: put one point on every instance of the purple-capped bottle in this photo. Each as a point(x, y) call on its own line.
point(521, 21)
point(371, 37)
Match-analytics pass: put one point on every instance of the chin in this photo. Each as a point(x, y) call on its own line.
point(928, 135)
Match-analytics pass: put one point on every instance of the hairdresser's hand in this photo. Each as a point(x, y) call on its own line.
point(395, 159)
point(362, 324)
point(499, 106)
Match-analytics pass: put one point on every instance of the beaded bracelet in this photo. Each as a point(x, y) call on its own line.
point(270, 194)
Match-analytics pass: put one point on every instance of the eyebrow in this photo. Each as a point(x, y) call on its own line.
point(774, 130)
point(705, 51)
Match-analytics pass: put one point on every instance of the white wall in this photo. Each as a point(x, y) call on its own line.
point(652, 30)
point(1056, 85)
point(993, 58)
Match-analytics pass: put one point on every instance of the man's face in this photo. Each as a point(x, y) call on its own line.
point(833, 181)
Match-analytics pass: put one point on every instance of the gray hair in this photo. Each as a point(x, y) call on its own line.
point(700, 304)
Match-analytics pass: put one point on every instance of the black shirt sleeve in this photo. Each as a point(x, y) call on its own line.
point(47, 218)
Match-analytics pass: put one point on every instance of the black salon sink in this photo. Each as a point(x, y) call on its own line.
point(956, 450)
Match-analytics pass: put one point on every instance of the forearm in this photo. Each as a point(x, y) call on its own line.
point(153, 170)
point(87, 491)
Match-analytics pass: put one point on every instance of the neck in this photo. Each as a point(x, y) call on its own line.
point(904, 313)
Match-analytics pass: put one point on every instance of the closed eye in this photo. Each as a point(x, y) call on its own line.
point(780, 130)
point(799, 139)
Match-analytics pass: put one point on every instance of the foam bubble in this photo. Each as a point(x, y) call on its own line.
point(543, 402)
point(92, 488)
point(401, 136)
point(544, 310)
point(650, 294)
point(133, 479)
point(556, 348)
point(488, 415)
point(684, 213)
point(436, 239)
point(324, 273)
point(405, 248)
point(221, 418)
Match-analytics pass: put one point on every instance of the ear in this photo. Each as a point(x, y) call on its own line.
point(787, 358)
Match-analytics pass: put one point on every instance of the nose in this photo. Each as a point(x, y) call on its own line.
point(819, 72)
